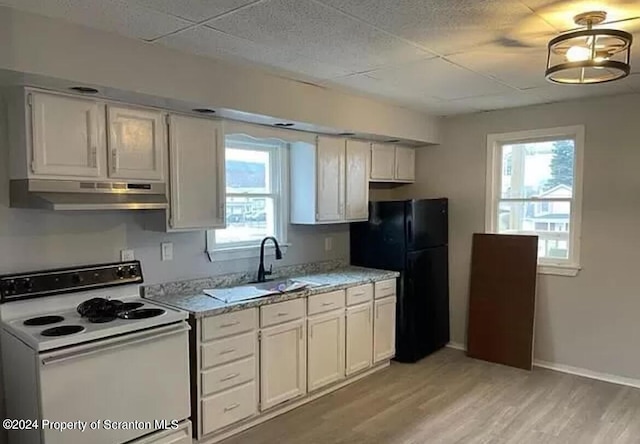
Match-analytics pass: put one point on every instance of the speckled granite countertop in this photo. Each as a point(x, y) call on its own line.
point(188, 296)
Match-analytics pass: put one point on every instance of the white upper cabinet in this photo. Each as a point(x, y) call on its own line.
point(67, 137)
point(357, 180)
point(197, 173)
point(391, 163)
point(136, 143)
point(405, 164)
point(330, 170)
point(383, 159)
point(329, 181)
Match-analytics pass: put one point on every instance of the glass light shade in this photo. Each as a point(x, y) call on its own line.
point(589, 56)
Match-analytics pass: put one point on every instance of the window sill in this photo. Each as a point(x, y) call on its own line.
point(559, 270)
point(244, 252)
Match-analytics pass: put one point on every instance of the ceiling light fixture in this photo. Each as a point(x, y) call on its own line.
point(589, 55)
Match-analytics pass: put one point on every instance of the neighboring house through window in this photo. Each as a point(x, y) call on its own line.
point(539, 193)
point(256, 204)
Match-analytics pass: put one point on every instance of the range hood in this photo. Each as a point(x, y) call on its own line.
point(67, 195)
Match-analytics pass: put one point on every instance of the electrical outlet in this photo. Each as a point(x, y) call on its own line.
point(166, 251)
point(127, 255)
point(328, 243)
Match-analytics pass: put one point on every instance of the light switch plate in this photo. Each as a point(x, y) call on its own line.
point(166, 251)
point(127, 255)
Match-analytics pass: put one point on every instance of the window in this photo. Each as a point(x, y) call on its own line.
point(255, 197)
point(539, 193)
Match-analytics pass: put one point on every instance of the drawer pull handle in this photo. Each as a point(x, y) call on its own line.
point(230, 324)
point(229, 377)
point(231, 407)
point(359, 293)
point(227, 351)
point(326, 304)
point(283, 314)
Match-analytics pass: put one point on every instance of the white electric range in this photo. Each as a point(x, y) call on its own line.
point(80, 347)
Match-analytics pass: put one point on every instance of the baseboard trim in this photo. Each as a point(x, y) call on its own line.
point(578, 371)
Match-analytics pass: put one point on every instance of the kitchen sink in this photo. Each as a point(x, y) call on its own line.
point(256, 290)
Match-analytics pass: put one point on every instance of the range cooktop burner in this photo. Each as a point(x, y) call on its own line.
point(62, 330)
point(142, 313)
point(126, 306)
point(43, 320)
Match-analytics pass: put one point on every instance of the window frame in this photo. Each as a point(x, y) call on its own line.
point(278, 150)
point(495, 142)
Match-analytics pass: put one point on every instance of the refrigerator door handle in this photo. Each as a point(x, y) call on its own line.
point(409, 231)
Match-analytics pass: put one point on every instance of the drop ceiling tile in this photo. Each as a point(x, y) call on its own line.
point(520, 68)
point(493, 102)
point(194, 10)
point(117, 16)
point(445, 26)
point(211, 43)
point(307, 27)
point(440, 78)
point(558, 93)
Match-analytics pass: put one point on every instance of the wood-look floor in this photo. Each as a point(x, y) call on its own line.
point(449, 398)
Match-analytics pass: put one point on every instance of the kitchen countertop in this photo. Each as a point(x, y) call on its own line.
point(201, 305)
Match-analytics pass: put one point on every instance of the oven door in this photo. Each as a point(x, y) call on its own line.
point(132, 380)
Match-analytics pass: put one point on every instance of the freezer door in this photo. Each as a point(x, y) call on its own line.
point(380, 242)
point(427, 223)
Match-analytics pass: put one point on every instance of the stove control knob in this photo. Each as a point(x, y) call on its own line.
point(10, 287)
point(27, 284)
point(133, 271)
point(76, 279)
point(120, 272)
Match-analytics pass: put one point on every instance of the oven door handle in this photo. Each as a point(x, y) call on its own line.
point(114, 343)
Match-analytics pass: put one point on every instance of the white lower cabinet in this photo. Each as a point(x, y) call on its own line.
point(384, 330)
point(283, 363)
point(228, 407)
point(326, 349)
point(359, 338)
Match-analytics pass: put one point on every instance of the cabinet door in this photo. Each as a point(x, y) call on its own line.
point(384, 329)
point(326, 349)
point(67, 136)
point(405, 164)
point(382, 162)
point(283, 363)
point(357, 180)
point(196, 156)
point(359, 338)
point(330, 175)
point(137, 143)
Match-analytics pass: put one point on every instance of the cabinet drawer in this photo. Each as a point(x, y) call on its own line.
point(228, 324)
point(281, 312)
point(229, 375)
point(358, 295)
point(228, 407)
point(385, 288)
point(325, 302)
point(229, 349)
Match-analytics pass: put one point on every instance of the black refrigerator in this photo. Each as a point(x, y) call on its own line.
point(410, 237)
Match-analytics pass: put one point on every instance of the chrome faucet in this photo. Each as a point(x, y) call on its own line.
point(261, 271)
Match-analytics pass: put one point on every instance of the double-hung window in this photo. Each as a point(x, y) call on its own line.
point(255, 204)
point(534, 187)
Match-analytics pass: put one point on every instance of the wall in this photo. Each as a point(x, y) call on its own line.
point(589, 321)
point(55, 48)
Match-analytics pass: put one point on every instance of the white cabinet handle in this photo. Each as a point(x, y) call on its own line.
point(94, 156)
point(230, 324)
point(283, 314)
point(326, 304)
point(229, 377)
point(300, 332)
point(114, 160)
point(231, 407)
point(226, 352)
